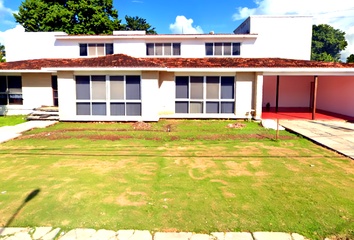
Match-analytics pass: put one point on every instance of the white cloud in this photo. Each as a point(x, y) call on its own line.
point(4, 10)
point(11, 33)
point(184, 25)
point(339, 14)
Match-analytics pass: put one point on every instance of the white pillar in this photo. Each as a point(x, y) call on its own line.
point(258, 96)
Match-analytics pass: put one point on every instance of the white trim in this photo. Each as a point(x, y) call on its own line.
point(27, 71)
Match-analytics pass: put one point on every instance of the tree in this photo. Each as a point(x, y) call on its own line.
point(327, 43)
point(137, 23)
point(70, 16)
point(350, 59)
point(2, 53)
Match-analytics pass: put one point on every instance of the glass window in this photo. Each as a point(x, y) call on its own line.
point(176, 49)
point(167, 49)
point(109, 48)
point(118, 109)
point(92, 49)
point(158, 49)
point(133, 109)
point(196, 88)
point(100, 49)
point(3, 99)
point(182, 87)
point(212, 107)
point(236, 49)
point(98, 87)
point(181, 107)
point(83, 88)
point(99, 108)
point(227, 88)
point(218, 49)
point(117, 87)
point(212, 87)
point(150, 49)
point(15, 90)
point(208, 49)
point(83, 49)
point(227, 49)
point(227, 107)
point(3, 87)
point(133, 88)
point(196, 107)
point(83, 109)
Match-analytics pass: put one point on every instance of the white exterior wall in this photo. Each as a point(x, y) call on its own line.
point(150, 96)
point(335, 94)
point(279, 37)
point(244, 93)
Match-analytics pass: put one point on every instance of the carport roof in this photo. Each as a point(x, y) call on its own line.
point(125, 61)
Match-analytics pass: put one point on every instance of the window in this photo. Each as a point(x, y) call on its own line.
point(222, 49)
point(11, 90)
point(108, 95)
point(205, 94)
point(96, 49)
point(163, 49)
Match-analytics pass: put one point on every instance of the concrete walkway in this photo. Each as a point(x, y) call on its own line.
point(47, 233)
point(338, 136)
point(10, 132)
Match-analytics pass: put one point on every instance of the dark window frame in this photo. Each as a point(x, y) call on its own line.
point(211, 49)
point(175, 49)
point(83, 49)
point(10, 93)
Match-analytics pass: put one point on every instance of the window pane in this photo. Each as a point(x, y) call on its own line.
point(100, 49)
point(15, 99)
point(117, 109)
point(3, 84)
point(208, 49)
point(14, 84)
point(227, 107)
point(92, 49)
point(212, 87)
point(196, 88)
point(212, 107)
point(55, 82)
point(176, 49)
point(83, 109)
point(83, 87)
point(133, 88)
point(133, 109)
point(158, 49)
point(227, 87)
point(167, 49)
point(218, 49)
point(182, 87)
point(99, 109)
point(117, 87)
point(109, 48)
point(227, 48)
point(3, 99)
point(181, 107)
point(98, 87)
point(196, 107)
point(236, 49)
point(83, 49)
point(150, 49)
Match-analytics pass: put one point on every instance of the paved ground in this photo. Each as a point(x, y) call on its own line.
point(47, 233)
point(338, 136)
point(10, 132)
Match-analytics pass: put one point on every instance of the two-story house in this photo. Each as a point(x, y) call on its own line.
point(131, 76)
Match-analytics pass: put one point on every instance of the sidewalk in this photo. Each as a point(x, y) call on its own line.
point(10, 132)
point(47, 233)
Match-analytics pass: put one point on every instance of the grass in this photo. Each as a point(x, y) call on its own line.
point(11, 120)
point(200, 177)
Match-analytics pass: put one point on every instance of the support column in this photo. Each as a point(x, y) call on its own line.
point(277, 97)
point(314, 98)
point(258, 96)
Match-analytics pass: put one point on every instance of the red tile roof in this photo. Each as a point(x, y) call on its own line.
point(124, 61)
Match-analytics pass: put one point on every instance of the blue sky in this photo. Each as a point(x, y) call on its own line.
point(197, 16)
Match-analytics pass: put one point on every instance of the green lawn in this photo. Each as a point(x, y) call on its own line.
point(12, 120)
point(199, 177)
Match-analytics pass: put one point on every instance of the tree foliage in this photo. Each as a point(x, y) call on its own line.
point(327, 43)
point(70, 16)
point(350, 59)
point(137, 23)
point(2, 53)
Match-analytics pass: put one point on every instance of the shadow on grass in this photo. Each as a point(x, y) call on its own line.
point(32, 195)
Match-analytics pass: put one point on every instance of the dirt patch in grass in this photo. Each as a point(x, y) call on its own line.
point(226, 193)
point(291, 167)
point(123, 200)
point(220, 181)
point(141, 125)
point(190, 172)
point(236, 125)
point(237, 169)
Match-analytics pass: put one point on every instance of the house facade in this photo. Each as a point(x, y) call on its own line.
point(132, 76)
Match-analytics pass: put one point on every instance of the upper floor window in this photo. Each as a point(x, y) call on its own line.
point(11, 90)
point(222, 49)
point(96, 49)
point(163, 49)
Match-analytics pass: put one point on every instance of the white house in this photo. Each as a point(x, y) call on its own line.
point(130, 76)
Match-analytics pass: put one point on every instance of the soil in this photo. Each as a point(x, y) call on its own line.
point(236, 125)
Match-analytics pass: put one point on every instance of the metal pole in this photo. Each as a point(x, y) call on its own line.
point(277, 99)
point(277, 128)
point(314, 98)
